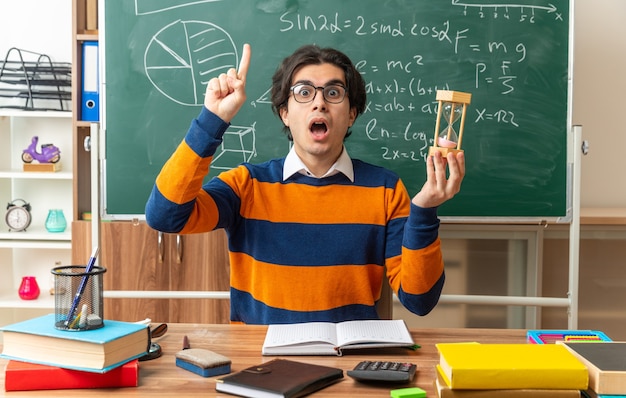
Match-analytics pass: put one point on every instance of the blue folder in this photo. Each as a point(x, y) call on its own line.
point(90, 92)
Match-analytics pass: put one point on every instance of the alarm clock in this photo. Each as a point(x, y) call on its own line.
point(18, 215)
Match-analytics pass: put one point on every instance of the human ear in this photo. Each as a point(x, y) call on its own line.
point(284, 115)
point(352, 116)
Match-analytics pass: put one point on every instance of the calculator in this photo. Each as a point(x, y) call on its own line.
point(383, 371)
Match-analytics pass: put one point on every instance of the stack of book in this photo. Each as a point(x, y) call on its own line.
point(42, 357)
point(468, 370)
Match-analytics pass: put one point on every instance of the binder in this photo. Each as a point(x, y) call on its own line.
point(90, 93)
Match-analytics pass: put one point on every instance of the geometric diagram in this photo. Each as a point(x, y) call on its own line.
point(238, 146)
point(183, 56)
point(263, 99)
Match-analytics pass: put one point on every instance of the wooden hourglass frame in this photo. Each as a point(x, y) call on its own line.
point(456, 100)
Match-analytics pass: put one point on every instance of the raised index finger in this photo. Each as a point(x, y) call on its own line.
point(244, 64)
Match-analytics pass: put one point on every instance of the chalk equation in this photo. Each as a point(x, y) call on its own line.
point(184, 55)
point(360, 25)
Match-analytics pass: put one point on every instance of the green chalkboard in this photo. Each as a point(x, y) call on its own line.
point(513, 58)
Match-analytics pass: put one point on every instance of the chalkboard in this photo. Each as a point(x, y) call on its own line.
point(514, 59)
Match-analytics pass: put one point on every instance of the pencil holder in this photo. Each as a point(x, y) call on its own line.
point(78, 302)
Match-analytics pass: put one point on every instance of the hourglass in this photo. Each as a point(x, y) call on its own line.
point(452, 106)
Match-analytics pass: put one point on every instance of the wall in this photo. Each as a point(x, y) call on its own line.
point(43, 26)
point(599, 84)
point(602, 292)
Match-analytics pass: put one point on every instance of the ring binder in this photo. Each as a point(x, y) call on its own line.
point(90, 94)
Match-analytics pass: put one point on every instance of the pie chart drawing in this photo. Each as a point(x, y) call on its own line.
point(183, 56)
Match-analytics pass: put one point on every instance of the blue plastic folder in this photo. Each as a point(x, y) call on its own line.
point(90, 92)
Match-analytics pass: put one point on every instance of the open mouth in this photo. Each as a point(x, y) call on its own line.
point(318, 129)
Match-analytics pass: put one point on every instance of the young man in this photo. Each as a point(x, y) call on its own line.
point(309, 234)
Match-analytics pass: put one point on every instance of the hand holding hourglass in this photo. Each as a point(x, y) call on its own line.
point(452, 106)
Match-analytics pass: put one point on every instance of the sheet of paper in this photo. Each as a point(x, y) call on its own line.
point(280, 335)
point(383, 331)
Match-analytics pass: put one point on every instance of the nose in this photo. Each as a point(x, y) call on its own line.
point(319, 102)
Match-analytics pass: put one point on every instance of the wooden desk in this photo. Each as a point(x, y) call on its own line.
point(161, 377)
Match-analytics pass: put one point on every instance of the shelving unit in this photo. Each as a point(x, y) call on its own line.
point(81, 132)
point(34, 251)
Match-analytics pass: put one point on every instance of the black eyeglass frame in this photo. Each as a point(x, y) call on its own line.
point(324, 92)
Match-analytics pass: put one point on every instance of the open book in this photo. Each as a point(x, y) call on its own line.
point(327, 338)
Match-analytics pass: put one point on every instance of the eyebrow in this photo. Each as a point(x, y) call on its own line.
point(328, 83)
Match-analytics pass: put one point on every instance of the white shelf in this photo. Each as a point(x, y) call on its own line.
point(35, 175)
point(37, 237)
point(36, 244)
point(20, 113)
point(37, 234)
point(12, 300)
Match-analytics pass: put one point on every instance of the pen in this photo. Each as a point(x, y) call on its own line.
point(186, 343)
point(81, 288)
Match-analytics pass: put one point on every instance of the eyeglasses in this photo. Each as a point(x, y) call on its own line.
point(304, 93)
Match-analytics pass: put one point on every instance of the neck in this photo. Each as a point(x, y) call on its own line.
point(319, 165)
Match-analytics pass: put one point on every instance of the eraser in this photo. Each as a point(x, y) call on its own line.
point(411, 392)
point(203, 362)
